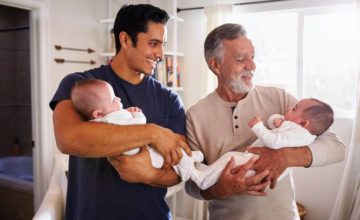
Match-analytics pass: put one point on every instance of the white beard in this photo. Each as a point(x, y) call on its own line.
point(238, 86)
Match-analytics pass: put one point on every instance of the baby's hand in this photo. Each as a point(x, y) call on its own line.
point(278, 122)
point(254, 121)
point(133, 109)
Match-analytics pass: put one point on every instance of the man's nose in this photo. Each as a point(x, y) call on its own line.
point(160, 54)
point(250, 64)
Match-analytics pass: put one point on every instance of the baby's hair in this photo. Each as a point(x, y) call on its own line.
point(85, 97)
point(320, 115)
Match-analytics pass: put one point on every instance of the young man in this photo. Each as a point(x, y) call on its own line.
point(95, 190)
point(229, 54)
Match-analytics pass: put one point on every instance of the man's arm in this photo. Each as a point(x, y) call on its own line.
point(232, 182)
point(326, 149)
point(87, 139)
point(138, 169)
point(276, 161)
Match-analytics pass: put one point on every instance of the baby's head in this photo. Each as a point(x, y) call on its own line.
point(312, 114)
point(94, 98)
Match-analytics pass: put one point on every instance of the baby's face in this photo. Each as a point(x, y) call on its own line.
point(111, 102)
point(294, 114)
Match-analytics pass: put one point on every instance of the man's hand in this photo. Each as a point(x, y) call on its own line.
point(269, 159)
point(136, 168)
point(254, 121)
point(233, 181)
point(169, 145)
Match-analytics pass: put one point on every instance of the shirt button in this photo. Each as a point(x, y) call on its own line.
point(236, 126)
point(235, 117)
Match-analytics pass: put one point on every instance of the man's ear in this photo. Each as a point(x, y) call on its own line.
point(125, 40)
point(305, 123)
point(97, 114)
point(214, 65)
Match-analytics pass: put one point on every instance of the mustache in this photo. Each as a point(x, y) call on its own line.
point(247, 73)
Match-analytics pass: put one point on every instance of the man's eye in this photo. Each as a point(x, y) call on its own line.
point(153, 44)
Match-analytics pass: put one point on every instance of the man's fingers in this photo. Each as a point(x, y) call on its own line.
point(174, 158)
point(273, 183)
point(256, 193)
point(167, 161)
point(258, 178)
point(259, 187)
point(229, 165)
point(254, 150)
point(245, 167)
point(179, 153)
point(187, 149)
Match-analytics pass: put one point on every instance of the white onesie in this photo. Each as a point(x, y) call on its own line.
point(185, 168)
point(289, 134)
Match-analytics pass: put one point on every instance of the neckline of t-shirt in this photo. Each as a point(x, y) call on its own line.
point(126, 83)
point(233, 104)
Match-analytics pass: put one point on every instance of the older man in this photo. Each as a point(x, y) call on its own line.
point(229, 54)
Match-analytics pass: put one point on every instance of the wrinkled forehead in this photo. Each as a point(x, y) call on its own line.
point(239, 45)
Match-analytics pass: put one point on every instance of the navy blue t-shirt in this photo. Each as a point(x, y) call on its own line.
point(95, 190)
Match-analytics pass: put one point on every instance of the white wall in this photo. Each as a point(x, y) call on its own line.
point(316, 188)
point(76, 24)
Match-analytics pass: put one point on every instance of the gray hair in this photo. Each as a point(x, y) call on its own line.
point(213, 46)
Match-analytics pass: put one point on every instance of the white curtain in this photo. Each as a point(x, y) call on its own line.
point(347, 204)
point(216, 15)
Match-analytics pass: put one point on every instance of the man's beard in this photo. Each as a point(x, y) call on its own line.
point(238, 85)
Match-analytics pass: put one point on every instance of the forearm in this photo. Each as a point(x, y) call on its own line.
point(167, 178)
point(89, 139)
point(297, 157)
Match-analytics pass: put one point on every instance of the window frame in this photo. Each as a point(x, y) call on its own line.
point(304, 8)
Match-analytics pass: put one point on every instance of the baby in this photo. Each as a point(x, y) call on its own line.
point(301, 124)
point(96, 101)
point(299, 127)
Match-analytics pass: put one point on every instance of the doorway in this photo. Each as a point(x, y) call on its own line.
point(16, 173)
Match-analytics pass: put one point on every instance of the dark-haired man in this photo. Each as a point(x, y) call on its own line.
point(95, 190)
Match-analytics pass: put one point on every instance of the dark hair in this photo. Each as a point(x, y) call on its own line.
point(213, 43)
point(321, 117)
point(134, 19)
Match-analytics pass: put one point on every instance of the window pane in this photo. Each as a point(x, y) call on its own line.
point(329, 59)
point(274, 37)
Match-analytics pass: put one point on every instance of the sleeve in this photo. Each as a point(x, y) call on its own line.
point(288, 135)
point(191, 188)
point(177, 115)
point(64, 89)
point(327, 149)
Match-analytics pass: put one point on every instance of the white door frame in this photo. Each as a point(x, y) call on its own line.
point(40, 87)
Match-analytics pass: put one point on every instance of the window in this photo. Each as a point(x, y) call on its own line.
point(311, 52)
